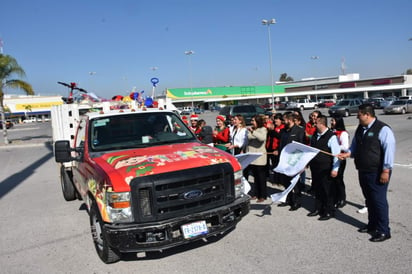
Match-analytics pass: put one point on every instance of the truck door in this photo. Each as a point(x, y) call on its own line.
point(79, 169)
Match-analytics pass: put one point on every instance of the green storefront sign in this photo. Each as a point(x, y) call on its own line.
point(223, 92)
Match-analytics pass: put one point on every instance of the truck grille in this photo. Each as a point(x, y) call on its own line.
point(176, 194)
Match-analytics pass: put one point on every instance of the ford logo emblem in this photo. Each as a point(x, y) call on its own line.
point(193, 194)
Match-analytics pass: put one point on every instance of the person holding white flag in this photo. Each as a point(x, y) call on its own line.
point(324, 167)
point(292, 132)
point(294, 158)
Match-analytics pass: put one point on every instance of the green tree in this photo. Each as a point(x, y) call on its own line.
point(409, 71)
point(285, 78)
point(9, 68)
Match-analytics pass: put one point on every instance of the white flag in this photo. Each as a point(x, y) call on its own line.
point(281, 196)
point(245, 159)
point(294, 158)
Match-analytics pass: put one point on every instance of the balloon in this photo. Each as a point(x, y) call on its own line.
point(117, 98)
point(134, 95)
point(154, 81)
point(148, 102)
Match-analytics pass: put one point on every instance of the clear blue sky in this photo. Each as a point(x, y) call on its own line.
point(122, 40)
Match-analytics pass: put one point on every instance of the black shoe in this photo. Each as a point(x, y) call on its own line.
point(380, 237)
point(365, 229)
point(313, 213)
point(283, 204)
point(325, 217)
point(340, 204)
point(294, 207)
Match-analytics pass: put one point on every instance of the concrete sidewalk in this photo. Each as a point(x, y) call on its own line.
point(24, 135)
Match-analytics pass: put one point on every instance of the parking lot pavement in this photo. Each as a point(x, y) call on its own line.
point(27, 135)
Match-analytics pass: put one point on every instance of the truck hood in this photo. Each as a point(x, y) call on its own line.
point(122, 166)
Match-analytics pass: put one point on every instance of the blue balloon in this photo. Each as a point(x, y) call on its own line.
point(154, 81)
point(148, 102)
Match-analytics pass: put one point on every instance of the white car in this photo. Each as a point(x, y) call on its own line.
point(30, 120)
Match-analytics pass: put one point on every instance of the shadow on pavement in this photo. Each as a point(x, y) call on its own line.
point(16, 179)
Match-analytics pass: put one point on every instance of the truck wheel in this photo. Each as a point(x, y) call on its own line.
point(302, 108)
point(347, 113)
point(105, 252)
point(315, 107)
point(69, 192)
point(403, 111)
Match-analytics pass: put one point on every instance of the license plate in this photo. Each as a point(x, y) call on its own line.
point(194, 229)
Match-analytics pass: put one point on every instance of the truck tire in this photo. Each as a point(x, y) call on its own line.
point(69, 192)
point(316, 107)
point(347, 113)
point(403, 111)
point(302, 108)
point(105, 252)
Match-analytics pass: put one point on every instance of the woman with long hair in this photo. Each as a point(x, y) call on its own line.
point(221, 133)
point(272, 146)
point(338, 127)
point(256, 143)
point(238, 135)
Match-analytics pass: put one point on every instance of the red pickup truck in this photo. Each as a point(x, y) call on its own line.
point(147, 181)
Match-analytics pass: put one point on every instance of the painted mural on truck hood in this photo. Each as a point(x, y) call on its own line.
point(122, 166)
point(128, 164)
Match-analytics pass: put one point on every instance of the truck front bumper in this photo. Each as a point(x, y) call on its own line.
point(159, 236)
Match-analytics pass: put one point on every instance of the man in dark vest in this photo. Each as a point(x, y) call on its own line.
point(373, 149)
point(323, 168)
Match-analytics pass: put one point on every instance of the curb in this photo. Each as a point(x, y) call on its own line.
point(24, 144)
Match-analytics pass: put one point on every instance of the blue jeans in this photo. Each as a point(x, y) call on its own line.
point(376, 201)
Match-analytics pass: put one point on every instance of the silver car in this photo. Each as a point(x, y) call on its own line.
point(388, 101)
point(399, 106)
point(345, 107)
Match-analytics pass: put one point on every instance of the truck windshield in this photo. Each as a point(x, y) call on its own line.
point(137, 130)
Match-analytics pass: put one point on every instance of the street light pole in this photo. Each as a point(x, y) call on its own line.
point(190, 53)
point(268, 23)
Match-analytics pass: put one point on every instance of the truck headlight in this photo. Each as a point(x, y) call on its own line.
point(241, 185)
point(118, 207)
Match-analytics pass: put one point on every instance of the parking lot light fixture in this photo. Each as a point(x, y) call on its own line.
point(268, 23)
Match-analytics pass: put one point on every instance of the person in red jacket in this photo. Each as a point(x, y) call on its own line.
point(221, 134)
point(310, 127)
point(272, 144)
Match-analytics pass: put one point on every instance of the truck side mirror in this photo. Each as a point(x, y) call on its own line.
point(62, 151)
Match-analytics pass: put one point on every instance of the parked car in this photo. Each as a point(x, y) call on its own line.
point(375, 102)
point(399, 106)
point(198, 111)
point(327, 103)
point(278, 105)
point(302, 104)
point(185, 111)
point(388, 101)
point(9, 124)
point(247, 111)
point(30, 120)
point(345, 107)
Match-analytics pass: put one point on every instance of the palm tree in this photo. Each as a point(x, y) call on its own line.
point(8, 68)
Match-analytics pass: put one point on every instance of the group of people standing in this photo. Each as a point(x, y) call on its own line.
point(372, 147)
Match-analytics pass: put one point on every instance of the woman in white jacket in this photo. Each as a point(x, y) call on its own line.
point(257, 135)
point(238, 135)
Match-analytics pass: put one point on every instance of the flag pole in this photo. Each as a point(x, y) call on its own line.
point(325, 152)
